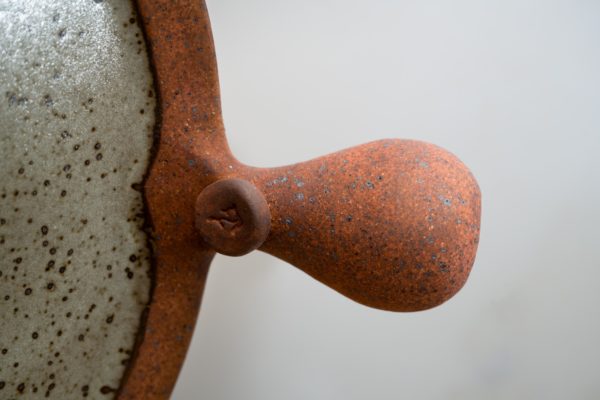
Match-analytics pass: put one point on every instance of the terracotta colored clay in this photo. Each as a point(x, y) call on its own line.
point(232, 216)
point(190, 132)
point(392, 224)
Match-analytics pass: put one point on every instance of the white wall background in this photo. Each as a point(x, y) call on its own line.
point(513, 88)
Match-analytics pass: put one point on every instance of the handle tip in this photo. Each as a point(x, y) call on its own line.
point(392, 224)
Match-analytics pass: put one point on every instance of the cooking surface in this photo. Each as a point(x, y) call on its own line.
point(76, 120)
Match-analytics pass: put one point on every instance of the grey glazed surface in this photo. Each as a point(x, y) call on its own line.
point(76, 120)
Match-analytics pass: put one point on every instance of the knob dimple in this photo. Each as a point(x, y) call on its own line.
point(232, 216)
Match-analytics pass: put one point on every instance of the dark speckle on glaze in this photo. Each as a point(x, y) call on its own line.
point(74, 260)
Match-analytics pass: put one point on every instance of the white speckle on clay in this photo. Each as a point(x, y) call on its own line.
point(76, 133)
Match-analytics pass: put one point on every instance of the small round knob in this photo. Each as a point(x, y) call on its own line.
point(232, 216)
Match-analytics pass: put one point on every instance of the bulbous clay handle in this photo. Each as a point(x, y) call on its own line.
point(392, 224)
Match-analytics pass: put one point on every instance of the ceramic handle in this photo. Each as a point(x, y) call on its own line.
point(392, 224)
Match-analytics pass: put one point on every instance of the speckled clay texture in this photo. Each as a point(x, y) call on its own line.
point(76, 121)
point(392, 224)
